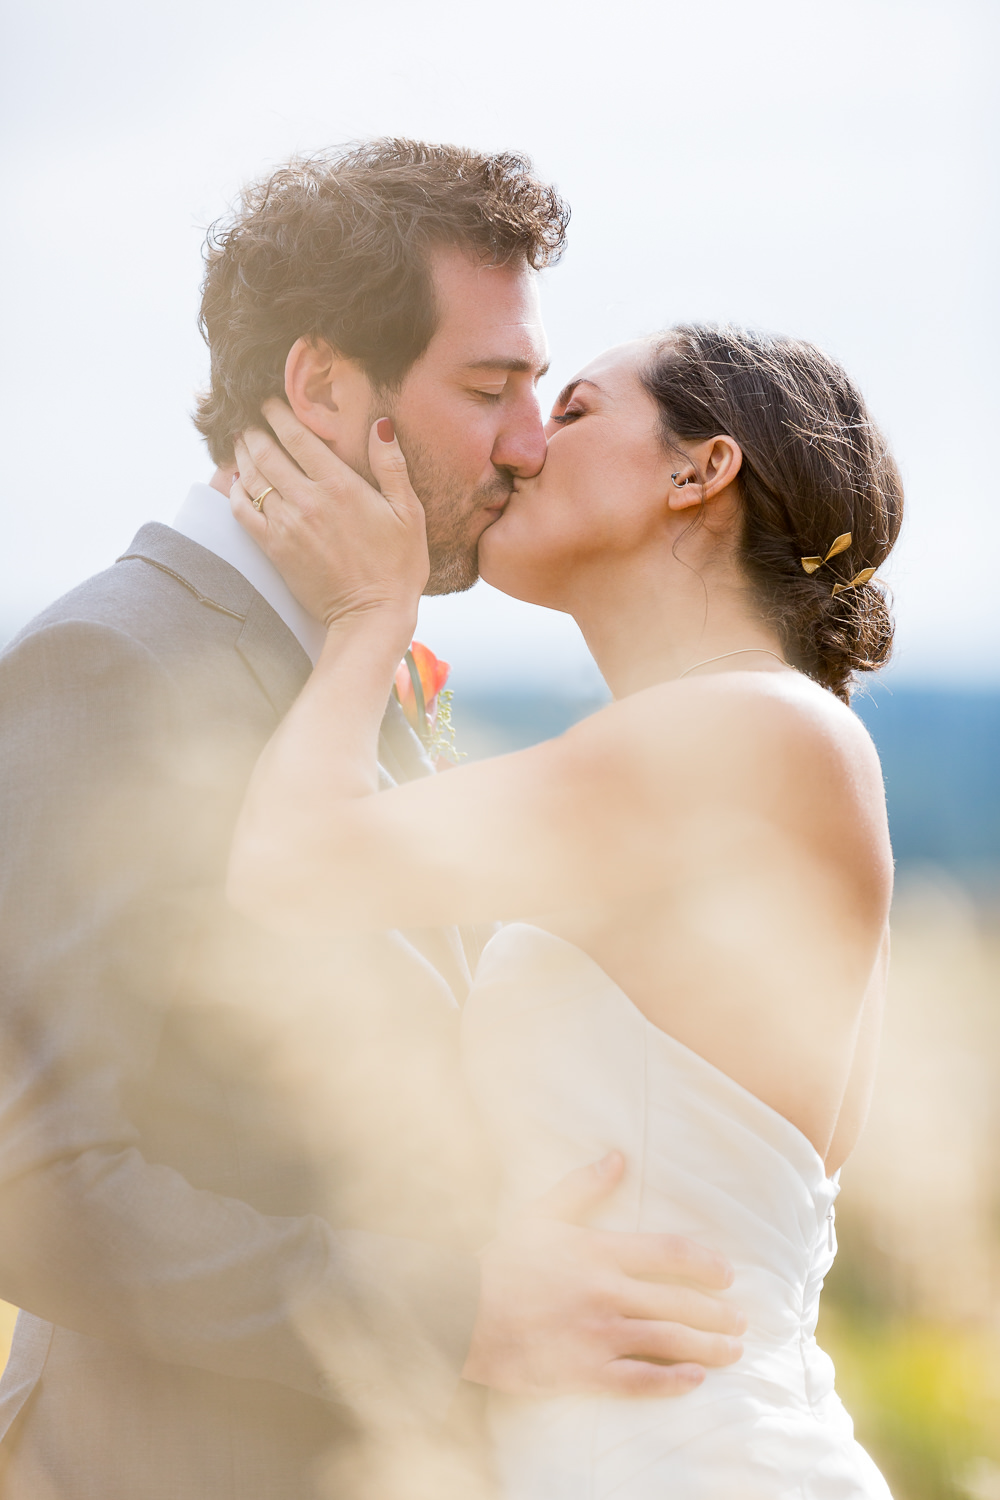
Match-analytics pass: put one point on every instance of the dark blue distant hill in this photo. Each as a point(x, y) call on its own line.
point(940, 751)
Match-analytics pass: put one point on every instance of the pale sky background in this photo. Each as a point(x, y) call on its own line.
point(826, 170)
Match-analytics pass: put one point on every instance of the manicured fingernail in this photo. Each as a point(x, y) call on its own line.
point(608, 1164)
point(386, 431)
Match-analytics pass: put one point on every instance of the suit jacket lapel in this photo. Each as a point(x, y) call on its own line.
point(265, 642)
point(281, 667)
point(273, 655)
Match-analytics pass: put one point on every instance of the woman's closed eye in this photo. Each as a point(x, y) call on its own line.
point(569, 415)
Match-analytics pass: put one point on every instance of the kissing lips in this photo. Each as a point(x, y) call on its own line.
point(494, 512)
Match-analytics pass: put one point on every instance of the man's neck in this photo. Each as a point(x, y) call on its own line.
point(211, 523)
point(223, 479)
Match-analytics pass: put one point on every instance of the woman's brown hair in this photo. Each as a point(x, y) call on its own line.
point(814, 467)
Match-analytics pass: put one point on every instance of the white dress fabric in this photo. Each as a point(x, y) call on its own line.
point(564, 1068)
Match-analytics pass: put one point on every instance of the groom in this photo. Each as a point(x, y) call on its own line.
point(241, 1192)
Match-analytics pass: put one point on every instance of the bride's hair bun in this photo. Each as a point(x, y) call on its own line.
point(814, 467)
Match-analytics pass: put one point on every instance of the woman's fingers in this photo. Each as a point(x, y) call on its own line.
point(248, 479)
point(341, 545)
point(310, 452)
point(389, 468)
point(249, 517)
point(262, 462)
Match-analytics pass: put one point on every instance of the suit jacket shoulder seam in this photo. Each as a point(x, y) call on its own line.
point(172, 573)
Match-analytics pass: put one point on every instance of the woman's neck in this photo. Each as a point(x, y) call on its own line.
point(644, 627)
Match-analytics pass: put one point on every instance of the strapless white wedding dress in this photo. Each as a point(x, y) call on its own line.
point(564, 1068)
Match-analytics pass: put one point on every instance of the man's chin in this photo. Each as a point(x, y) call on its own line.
point(452, 575)
point(455, 558)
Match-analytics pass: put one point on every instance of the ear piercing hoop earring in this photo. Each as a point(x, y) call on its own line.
point(679, 484)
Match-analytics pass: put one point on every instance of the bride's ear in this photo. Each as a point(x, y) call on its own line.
point(710, 468)
point(327, 392)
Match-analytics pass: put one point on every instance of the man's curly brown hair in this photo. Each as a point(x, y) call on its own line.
point(336, 247)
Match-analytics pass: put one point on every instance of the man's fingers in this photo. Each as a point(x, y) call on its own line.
point(670, 1255)
point(579, 1192)
point(634, 1377)
point(678, 1345)
point(680, 1304)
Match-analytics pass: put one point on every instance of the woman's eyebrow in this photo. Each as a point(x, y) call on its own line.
point(568, 390)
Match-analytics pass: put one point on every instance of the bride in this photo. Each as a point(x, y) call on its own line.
point(695, 880)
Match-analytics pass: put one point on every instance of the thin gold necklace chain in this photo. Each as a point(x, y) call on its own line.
point(743, 651)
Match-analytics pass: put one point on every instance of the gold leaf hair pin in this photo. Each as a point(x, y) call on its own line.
point(840, 544)
point(853, 583)
point(811, 564)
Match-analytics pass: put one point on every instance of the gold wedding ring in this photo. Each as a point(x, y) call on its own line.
point(261, 498)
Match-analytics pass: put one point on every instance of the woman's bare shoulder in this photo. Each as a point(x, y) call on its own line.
point(733, 716)
point(769, 743)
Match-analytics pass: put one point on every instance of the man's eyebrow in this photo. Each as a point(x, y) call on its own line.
point(513, 366)
point(568, 390)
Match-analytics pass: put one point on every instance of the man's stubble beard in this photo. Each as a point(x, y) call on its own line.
point(448, 511)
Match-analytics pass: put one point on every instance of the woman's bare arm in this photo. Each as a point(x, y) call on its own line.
point(608, 813)
point(613, 809)
point(549, 827)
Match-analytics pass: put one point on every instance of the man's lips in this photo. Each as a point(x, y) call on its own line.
point(497, 510)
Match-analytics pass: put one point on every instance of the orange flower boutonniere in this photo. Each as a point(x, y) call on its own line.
point(426, 702)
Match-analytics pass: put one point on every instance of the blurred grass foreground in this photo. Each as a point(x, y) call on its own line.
point(911, 1313)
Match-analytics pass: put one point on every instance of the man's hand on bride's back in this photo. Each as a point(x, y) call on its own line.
point(343, 547)
point(566, 1309)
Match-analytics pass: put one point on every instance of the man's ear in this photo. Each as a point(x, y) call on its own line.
point(329, 394)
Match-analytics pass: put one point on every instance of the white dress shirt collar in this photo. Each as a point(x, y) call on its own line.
point(205, 518)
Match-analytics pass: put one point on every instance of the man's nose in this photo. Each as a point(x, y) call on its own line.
point(520, 445)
